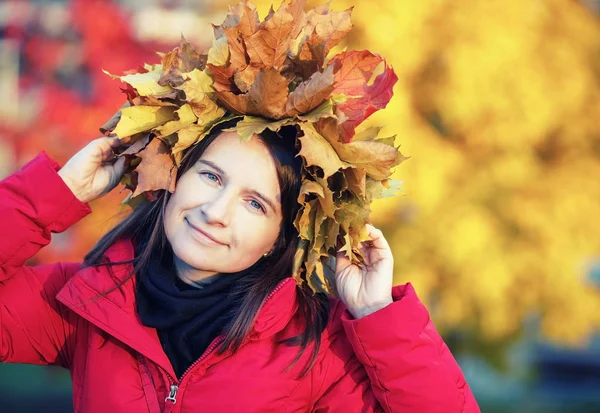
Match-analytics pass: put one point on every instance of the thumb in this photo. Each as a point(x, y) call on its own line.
point(119, 167)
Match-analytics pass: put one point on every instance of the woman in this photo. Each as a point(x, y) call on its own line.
point(212, 294)
point(374, 350)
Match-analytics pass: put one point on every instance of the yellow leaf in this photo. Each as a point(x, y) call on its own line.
point(218, 54)
point(253, 125)
point(316, 150)
point(146, 84)
point(197, 85)
point(137, 119)
point(184, 117)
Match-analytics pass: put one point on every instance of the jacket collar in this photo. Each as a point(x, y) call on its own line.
point(115, 312)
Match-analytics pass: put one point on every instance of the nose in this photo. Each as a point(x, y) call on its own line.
point(218, 210)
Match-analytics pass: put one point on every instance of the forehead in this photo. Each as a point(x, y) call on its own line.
point(248, 164)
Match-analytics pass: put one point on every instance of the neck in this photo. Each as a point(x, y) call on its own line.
point(193, 276)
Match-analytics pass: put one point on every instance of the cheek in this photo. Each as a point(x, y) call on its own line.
point(256, 236)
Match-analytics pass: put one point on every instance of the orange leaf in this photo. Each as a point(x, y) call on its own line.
point(156, 170)
point(267, 96)
point(311, 93)
point(269, 45)
point(352, 70)
point(222, 77)
point(247, 18)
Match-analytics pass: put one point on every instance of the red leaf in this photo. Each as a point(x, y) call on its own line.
point(352, 72)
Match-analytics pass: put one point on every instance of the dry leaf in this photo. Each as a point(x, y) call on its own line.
point(184, 117)
point(269, 45)
point(252, 125)
point(182, 59)
point(156, 170)
point(311, 93)
point(317, 151)
point(219, 52)
point(266, 97)
point(244, 79)
point(137, 119)
point(145, 84)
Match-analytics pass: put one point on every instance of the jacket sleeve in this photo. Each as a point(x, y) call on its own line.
point(399, 364)
point(34, 327)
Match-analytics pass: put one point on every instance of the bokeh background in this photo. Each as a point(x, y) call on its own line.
point(498, 225)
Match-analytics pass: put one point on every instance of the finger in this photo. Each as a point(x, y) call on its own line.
point(115, 141)
point(106, 146)
point(119, 167)
point(377, 239)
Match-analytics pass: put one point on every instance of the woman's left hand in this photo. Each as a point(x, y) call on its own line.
point(368, 289)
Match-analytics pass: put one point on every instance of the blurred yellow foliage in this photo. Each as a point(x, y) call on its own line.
point(498, 104)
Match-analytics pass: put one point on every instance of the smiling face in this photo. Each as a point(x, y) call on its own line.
point(226, 210)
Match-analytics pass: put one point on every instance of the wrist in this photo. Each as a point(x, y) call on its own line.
point(71, 186)
point(364, 311)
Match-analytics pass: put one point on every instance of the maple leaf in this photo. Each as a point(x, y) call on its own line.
point(145, 84)
point(353, 69)
point(269, 45)
point(316, 151)
point(184, 116)
point(324, 110)
point(247, 17)
point(156, 170)
point(266, 97)
point(137, 119)
point(218, 54)
point(252, 125)
point(222, 77)
point(111, 124)
point(244, 79)
point(181, 59)
point(352, 72)
point(311, 93)
point(356, 179)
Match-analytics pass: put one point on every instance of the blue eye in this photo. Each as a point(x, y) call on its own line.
point(210, 176)
point(256, 205)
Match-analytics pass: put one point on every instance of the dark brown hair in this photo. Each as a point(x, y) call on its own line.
point(144, 226)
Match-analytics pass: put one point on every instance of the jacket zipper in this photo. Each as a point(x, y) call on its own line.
point(171, 399)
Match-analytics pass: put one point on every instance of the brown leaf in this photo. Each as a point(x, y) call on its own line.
point(138, 144)
point(238, 56)
point(247, 21)
point(156, 170)
point(269, 45)
point(296, 9)
point(222, 77)
point(269, 94)
point(329, 28)
point(266, 97)
point(317, 151)
point(376, 158)
point(311, 93)
point(356, 178)
point(322, 32)
point(181, 59)
point(244, 79)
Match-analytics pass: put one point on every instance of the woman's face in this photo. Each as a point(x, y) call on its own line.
point(225, 212)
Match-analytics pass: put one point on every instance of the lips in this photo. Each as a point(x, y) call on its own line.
point(204, 234)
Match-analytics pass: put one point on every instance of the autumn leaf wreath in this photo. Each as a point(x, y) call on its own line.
point(270, 74)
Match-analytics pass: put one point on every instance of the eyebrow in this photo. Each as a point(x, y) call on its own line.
point(252, 191)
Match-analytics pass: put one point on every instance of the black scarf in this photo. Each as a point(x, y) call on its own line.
point(187, 318)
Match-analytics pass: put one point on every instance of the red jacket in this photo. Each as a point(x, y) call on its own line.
point(392, 360)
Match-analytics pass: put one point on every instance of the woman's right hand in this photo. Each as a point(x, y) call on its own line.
point(92, 172)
